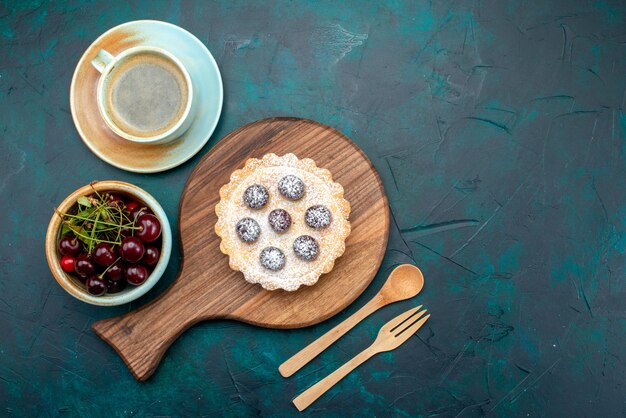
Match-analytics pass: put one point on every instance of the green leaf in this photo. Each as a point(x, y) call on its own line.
point(65, 229)
point(84, 201)
point(86, 213)
point(81, 234)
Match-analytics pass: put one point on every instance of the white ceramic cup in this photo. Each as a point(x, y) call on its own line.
point(105, 63)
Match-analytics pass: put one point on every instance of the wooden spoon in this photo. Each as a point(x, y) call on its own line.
point(404, 282)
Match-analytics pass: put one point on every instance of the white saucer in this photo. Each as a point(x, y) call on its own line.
point(146, 158)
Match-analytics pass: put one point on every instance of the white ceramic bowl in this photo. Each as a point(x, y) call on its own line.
point(70, 283)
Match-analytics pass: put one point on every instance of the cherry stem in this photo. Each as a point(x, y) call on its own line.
point(107, 269)
point(101, 222)
point(92, 239)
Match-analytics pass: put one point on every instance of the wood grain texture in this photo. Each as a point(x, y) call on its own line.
point(207, 288)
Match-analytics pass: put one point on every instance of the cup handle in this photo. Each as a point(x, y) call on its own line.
point(102, 60)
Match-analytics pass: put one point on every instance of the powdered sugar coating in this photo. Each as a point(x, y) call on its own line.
point(306, 247)
point(318, 216)
point(248, 230)
point(279, 220)
point(320, 189)
point(292, 187)
point(256, 196)
point(272, 258)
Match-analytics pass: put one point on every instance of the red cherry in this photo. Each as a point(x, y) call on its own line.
point(135, 274)
point(84, 265)
point(67, 263)
point(114, 273)
point(104, 254)
point(149, 227)
point(132, 249)
point(69, 245)
point(152, 256)
point(138, 211)
point(126, 232)
point(96, 286)
point(115, 286)
point(131, 206)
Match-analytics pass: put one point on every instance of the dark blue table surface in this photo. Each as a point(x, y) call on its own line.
point(499, 131)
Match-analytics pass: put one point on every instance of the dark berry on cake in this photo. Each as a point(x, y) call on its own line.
point(292, 187)
point(248, 230)
point(279, 220)
point(306, 247)
point(256, 196)
point(317, 216)
point(272, 258)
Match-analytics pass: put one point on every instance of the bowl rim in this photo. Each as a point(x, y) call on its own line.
point(130, 293)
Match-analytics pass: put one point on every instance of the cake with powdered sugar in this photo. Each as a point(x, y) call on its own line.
point(283, 221)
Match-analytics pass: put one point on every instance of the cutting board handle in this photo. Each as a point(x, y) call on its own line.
point(141, 337)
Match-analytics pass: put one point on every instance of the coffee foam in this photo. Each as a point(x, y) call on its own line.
point(146, 94)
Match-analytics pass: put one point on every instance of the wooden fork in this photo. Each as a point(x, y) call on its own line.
point(390, 337)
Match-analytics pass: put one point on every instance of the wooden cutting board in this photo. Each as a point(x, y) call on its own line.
point(207, 288)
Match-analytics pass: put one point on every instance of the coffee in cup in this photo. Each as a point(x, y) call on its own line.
point(144, 94)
